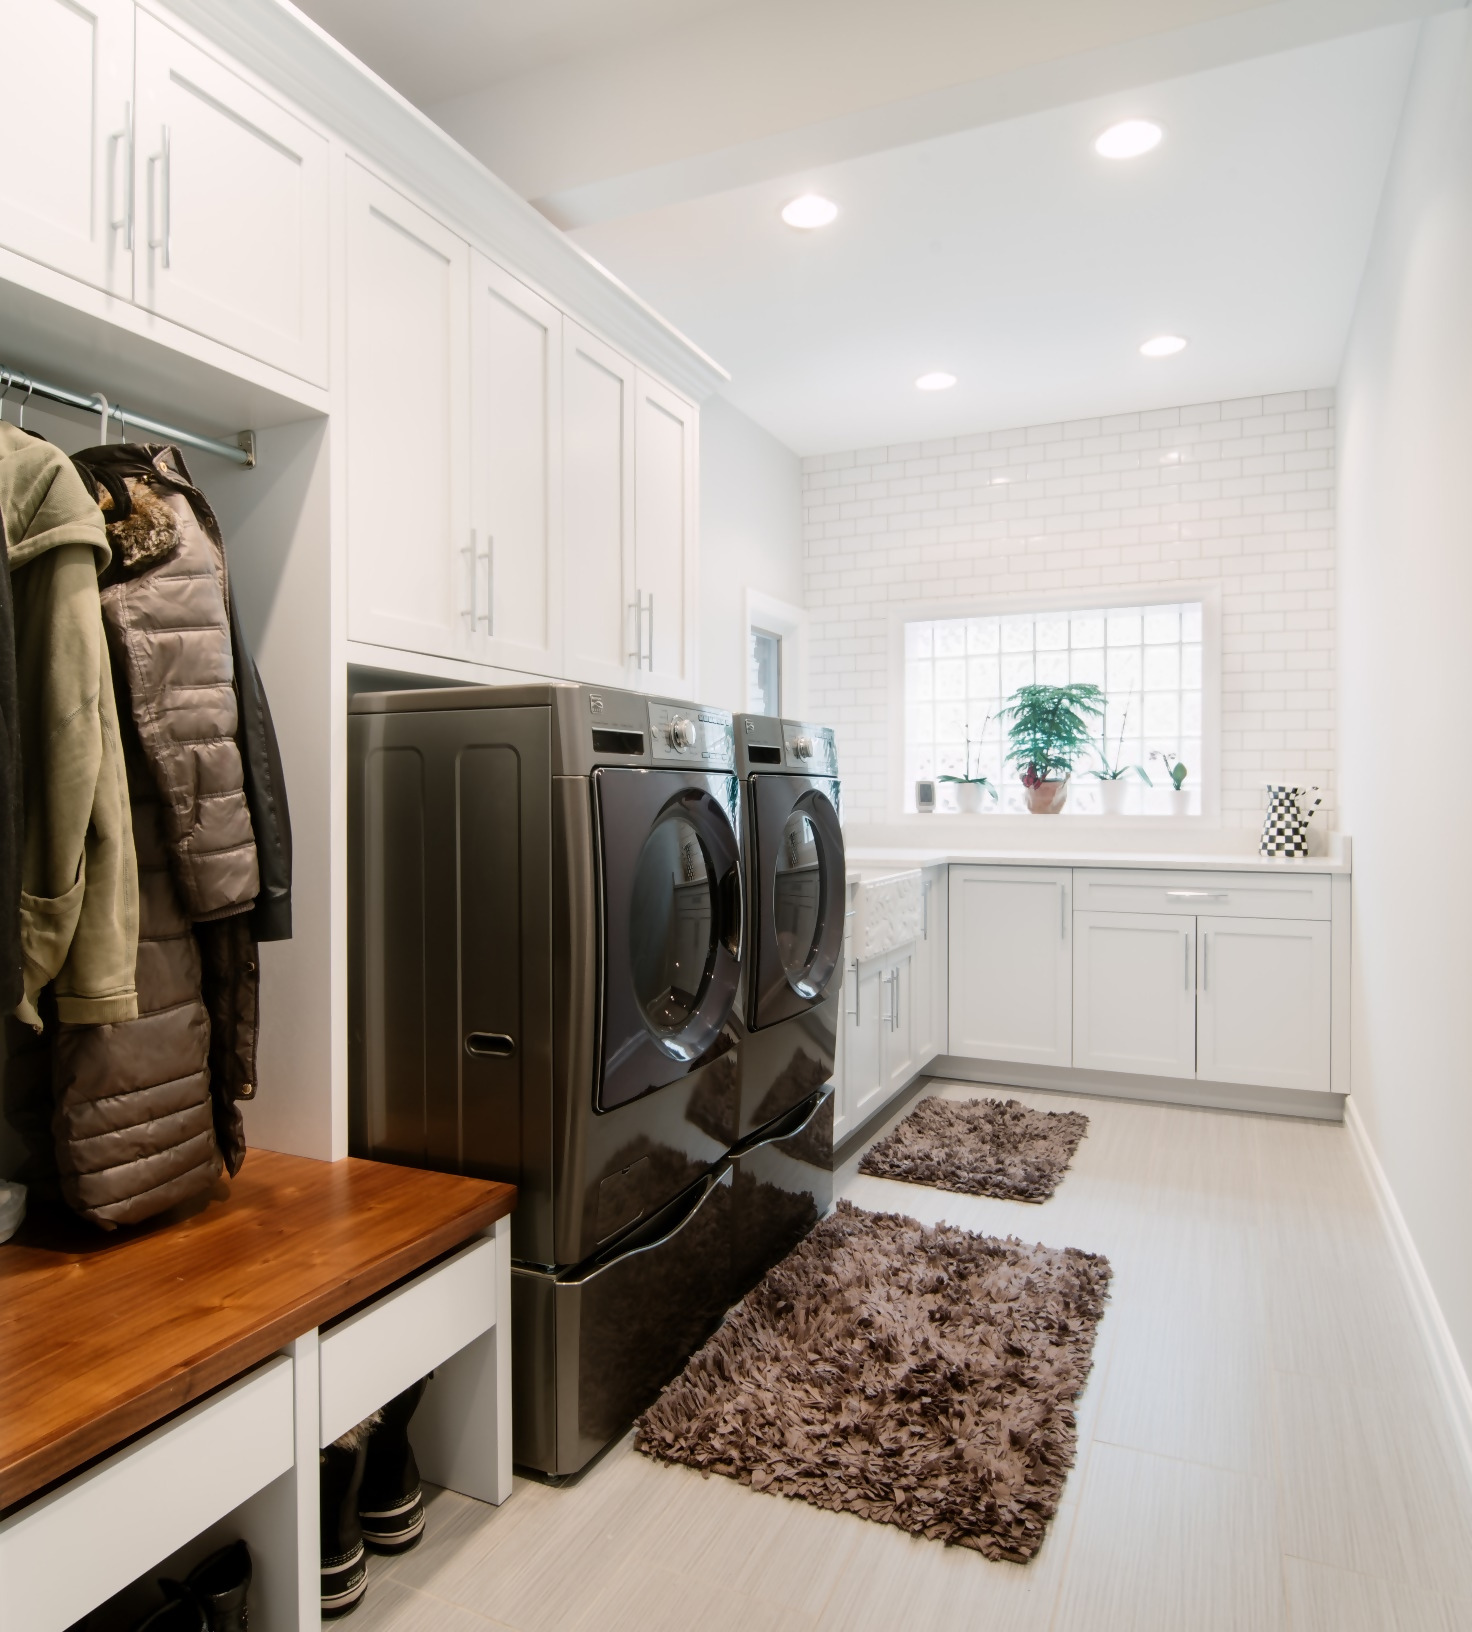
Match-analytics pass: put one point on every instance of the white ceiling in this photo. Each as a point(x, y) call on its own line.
point(437, 49)
point(1014, 257)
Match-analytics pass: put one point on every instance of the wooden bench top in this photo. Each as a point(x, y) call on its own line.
point(102, 1335)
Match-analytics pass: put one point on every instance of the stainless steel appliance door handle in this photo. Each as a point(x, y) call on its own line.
point(494, 1045)
point(713, 1181)
point(790, 1125)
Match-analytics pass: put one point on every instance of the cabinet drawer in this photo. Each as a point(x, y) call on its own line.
point(373, 1355)
point(70, 1550)
point(1223, 895)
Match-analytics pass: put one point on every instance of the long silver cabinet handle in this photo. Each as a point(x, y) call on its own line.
point(1197, 895)
point(468, 554)
point(1205, 939)
point(651, 630)
point(164, 243)
point(123, 142)
point(485, 556)
point(1063, 912)
point(1186, 970)
point(925, 910)
point(857, 990)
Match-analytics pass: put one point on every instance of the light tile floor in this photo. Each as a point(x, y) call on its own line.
point(1261, 1445)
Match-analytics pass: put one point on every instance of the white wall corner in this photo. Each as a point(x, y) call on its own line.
point(1441, 1349)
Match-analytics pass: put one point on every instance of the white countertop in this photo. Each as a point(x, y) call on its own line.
point(876, 859)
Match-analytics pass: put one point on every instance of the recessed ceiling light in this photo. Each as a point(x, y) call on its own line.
point(939, 381)
point(1163, 345)
point(1128, 139)
point(811, 210)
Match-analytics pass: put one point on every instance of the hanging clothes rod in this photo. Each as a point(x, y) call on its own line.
point(242, 451)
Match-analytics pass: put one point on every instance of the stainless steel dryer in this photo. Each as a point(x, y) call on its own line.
point(546, 911)
point(791, 977)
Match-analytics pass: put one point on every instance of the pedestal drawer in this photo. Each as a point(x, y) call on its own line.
point(375, 1354)
point(1222, 895)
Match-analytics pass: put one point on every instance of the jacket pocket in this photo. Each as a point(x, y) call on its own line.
point(48, 925)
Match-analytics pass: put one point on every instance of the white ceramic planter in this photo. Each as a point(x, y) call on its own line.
point(971, 797)
point(1112, 796)
point(1180, 801)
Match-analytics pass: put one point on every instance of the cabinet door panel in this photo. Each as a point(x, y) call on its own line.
point(516, 391)
point(664, 532)
point(1134, 993)
point(863, 1046)
point(1264, 1002)
point(68, 94)
point(231, 208)
point(598, 508)
point(407, 406)
point(898, 1019)
point(1011, 966)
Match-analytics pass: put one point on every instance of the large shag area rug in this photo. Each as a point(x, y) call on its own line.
point(920, 1377)
point(980, 1147)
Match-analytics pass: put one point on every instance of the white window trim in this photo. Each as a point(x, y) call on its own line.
point(790, 624)
point(1207, 777)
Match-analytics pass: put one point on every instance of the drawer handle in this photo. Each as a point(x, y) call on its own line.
point(494, 1045)
point(1196, 895)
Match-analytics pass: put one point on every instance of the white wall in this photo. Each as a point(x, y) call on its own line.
point(1236, 495)
point(1405, 601)
point(750, 538)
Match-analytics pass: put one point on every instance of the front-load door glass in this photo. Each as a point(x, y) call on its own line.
point(800, 869)
point(672, 907)
point(672, 927)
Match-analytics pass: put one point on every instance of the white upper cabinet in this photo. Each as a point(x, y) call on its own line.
point(230, 207)
point(665, 573)
point(1011, 964)
point(64, 190)
point(602, 626)
point(516, 471)
point(1134, 993)
point(410, 550)
point(1264, 999)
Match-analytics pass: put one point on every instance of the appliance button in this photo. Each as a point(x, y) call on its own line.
point(803, 747)
point(681, 733)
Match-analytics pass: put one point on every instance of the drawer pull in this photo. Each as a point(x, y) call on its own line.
point(1196, 895)
point(493, 1044)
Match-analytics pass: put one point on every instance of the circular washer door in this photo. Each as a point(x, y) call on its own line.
point(799, 857)
point(672, 923)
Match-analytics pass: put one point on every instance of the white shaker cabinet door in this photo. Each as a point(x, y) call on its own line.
point(665, 519)
point(898, 1021)
point(1134, 993)
point(409, 545)
point(1011, 964)
point(863, 1043)
point(515, 579)
point(231, 208)
point(1263, 1001)
point(68, 92)
point(602, 629)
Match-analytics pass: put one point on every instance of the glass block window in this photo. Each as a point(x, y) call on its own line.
point(961, 672)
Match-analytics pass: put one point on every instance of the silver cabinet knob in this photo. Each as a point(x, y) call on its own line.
point(803, 747)
point(681, 733)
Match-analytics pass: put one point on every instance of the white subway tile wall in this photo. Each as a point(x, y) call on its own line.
point(1237, 495)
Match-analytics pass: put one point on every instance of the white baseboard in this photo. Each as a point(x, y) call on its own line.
point(1446, 1362)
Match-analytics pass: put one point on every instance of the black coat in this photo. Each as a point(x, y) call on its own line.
point(11, 820)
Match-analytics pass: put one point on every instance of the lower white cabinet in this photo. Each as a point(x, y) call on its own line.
point(928, 1003)
point(876, 1055)
point(1263, 1002)
point(1134, 993)
point(1011, 964)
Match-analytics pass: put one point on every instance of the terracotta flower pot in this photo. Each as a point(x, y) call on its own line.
point(1047, 798)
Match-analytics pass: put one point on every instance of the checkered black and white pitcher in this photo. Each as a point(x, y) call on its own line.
point(1285, 827)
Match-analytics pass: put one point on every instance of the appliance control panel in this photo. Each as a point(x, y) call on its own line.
point(809, 748)
point(691, 736)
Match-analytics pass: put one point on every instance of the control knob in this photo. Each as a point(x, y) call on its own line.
point(681, 733)
point(803, 747)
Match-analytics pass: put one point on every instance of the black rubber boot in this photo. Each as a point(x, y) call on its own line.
point(221, 1585)
point(391, 1504)
point(344, 1572)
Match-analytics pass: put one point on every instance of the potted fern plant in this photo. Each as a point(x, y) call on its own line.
point(1048, 731)
point(971, 790)
point(1112, 771)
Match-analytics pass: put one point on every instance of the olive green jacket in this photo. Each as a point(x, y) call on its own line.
point(79, 874)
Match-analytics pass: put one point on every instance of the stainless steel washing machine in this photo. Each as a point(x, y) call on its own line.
point(546, 922)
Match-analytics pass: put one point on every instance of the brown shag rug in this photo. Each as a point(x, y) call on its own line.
point(980, 1147)
point(920, 1377)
